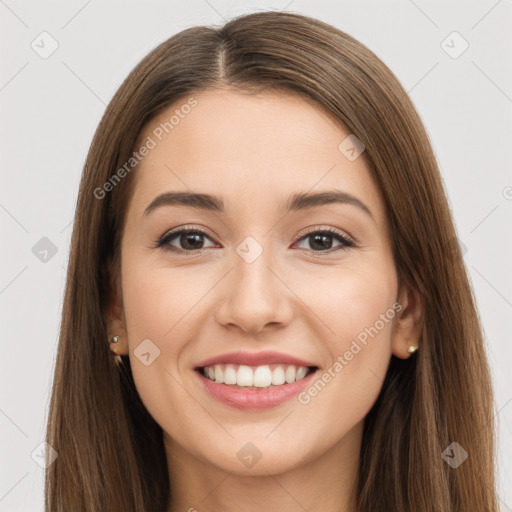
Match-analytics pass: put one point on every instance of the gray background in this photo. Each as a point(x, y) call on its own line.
point(51, 106)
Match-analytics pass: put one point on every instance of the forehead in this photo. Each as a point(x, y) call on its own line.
point(253, 150)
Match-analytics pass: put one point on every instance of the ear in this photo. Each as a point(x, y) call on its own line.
point(116, 324)
point(408, 322)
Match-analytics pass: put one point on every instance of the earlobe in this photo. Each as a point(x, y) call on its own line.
point(113, 347)
point(116, 329)
point(408, 323)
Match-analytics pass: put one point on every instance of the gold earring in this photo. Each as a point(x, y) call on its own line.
point(412, 349)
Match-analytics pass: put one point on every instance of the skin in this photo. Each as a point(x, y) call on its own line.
point(254, 151)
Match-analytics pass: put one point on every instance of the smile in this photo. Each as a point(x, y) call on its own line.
point(258, 380)
point(255, 377)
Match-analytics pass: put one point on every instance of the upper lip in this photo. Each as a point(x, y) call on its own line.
point(254, 359)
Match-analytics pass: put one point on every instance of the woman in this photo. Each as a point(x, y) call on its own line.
point(266, 306)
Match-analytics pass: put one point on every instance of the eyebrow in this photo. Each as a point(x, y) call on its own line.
point(297, 201)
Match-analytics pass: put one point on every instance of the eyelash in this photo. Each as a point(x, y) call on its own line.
point(163, 241)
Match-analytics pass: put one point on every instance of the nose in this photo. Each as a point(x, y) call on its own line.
point(254, 296)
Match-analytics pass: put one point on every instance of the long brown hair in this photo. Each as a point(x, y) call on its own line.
point(110, 450)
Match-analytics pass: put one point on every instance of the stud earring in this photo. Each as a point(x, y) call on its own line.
point(117, 357)
point(412, 349)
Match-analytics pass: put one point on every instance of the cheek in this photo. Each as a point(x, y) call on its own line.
point(159, 303)
point(362, 301)
point(357, 347)
point(357, 307)
point(367, 312)
point(350, 302)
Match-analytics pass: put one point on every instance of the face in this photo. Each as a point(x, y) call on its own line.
point(297, 306)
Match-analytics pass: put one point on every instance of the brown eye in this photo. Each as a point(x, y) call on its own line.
point(187, 240)
point(321, 241)
point(192, 240)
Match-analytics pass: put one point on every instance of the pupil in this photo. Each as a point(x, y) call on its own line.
point(190, 237)
point(322, 237)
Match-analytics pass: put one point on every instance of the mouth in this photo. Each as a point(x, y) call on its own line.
point(254, 381)
point(255, 377)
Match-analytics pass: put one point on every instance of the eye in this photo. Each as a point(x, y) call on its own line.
point(189, 240)
point(321, 240)
point(192, 240)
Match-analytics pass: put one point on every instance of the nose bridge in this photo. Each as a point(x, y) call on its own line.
point(251, 265)
point(255, 296)
point(253, 281)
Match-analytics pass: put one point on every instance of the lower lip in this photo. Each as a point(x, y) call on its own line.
point(263, 398)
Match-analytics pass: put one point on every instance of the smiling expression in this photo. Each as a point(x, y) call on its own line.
point(286, 250)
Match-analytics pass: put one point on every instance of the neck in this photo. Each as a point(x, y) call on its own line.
point(325, 482)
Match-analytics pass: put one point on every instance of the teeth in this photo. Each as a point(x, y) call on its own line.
point(262, 377)
point(300, 373)
point(245, 376)
point(229, 374)
point(290, 374)
point(278, 376)
point(258, 377)
point(219, 376)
